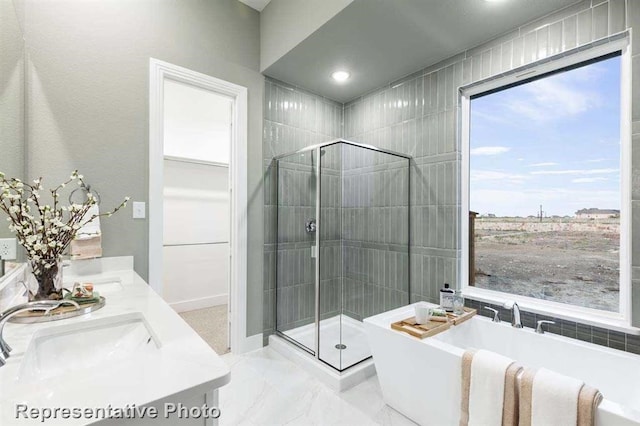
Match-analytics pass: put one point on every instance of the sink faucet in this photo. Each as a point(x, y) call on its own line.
point(41, 305)
point(515, 314)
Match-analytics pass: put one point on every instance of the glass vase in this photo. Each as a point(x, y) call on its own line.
point(45, 279)
point(458, 303)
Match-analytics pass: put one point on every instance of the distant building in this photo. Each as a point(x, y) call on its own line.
point(597, 214)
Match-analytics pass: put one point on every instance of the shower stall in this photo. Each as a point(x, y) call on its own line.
point(342, 245)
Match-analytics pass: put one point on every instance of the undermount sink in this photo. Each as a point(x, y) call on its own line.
point(88, 344)
point(103, 286)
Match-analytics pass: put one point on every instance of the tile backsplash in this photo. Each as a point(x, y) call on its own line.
point(575, 330)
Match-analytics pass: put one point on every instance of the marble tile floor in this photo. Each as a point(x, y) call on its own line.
point(267, 389)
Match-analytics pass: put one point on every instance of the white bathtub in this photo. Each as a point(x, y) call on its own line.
point(421, 378)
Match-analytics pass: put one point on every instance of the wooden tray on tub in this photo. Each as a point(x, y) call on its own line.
point(431, 328)
point(457, 319)
point(421, 331)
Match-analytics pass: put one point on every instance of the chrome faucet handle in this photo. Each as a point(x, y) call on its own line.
point(47, 309)
point(496, 314)
point(539, 328)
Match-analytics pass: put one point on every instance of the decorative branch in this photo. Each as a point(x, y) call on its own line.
point(45, 231)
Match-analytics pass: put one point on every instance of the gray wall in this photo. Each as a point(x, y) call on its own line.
point(364, 197)
point(293, 119)
point(331, 225)
point(12, 133)
point(88, 100)
point(285, 23)
point(375, 232)
point(417, 115)
point(296, 199)
point(633, 22)
point(395, 118)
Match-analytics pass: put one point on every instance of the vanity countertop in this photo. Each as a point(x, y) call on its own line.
point(182, 362)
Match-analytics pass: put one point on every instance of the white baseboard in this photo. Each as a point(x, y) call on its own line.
point(200, 303)
point(248, 344)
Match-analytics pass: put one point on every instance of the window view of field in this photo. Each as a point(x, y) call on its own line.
point(566, 260)
point(545, 188)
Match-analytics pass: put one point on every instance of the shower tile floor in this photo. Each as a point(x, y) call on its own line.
point(268, 389)
point(340, 329)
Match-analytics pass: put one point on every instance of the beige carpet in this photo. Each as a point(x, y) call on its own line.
point(211, 325)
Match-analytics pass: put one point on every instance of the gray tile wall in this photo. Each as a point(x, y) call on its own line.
point(361, 192)
point(331, 277)
point(293, 119)
point(295, 280)
point(417, 115)
point(375, 231)
point(633, 22)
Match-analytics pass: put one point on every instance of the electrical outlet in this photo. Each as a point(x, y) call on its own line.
point(8, 248)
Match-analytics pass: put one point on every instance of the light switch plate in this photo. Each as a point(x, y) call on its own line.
point(8, 248)
point(139, 210)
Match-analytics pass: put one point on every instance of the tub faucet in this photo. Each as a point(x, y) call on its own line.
point(40, 305)
point(496, 314)
point(539, 328)
point(515, 314)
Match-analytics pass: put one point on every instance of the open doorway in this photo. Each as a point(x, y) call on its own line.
point(196, 211)
point(198, 201)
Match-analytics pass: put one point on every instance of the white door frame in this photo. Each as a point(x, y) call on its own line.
point(158, 72)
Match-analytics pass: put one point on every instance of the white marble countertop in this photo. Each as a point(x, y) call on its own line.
point(182, 362)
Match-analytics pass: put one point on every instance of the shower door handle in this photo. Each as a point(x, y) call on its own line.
point(314, 251)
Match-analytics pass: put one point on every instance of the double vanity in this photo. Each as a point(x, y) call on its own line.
point(135, 353)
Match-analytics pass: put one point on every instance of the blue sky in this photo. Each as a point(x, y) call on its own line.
point(554, 141)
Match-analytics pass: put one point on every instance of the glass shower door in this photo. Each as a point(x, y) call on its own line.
point(364, 246)
point(330, 291)
point(296, 257)
point(342, 246)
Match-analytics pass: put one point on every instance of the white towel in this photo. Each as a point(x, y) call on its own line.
point(554, 399)
point(486, 393)
point(91, 229)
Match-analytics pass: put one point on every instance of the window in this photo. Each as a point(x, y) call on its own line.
point(542, 184)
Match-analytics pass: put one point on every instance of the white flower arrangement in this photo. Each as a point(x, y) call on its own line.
point(45, 231)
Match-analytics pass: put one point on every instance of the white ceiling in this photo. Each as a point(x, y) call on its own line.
point(380, 41)
point(256, 4)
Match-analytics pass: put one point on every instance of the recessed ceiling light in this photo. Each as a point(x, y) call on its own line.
point(340, 76)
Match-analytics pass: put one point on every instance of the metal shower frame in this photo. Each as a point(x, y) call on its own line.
point(317, 148)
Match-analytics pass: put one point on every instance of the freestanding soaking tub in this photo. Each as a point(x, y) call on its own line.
point(421, 378)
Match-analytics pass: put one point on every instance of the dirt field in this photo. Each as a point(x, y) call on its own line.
point(563, 260)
